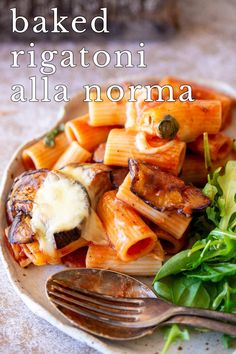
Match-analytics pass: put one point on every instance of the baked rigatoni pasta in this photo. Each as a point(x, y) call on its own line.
point(73, 154)
point(173, 223)
point(133, 109)
point(127, 232)
point(17, 252)
point(40, 155)
point(194, 118)
point(106, 112)
point(106, 258)
point(220, 146)
point(194, 170)
point(87, 136)
point(70, 129)
point(31, 253)
point(39, 258)
point(131, 116)
point(122, 145)
point(169, 243)
point(200, 92)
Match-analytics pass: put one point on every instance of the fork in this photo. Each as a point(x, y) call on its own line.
point(136, 312)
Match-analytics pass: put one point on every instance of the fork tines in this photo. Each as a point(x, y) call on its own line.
point(100, 307)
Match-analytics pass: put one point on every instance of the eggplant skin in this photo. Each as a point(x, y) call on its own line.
point(95, 177)
point(20, 231)
point(64, 238)
point(22, 194)
point(118, 175)
point(164, 191)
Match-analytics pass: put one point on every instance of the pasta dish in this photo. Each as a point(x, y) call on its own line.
point(118, 187)
point(143, 188)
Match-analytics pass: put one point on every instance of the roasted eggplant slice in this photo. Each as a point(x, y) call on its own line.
point(64, 238)
point(96, 178)
point(163, 191)
point(20, 230)
point(54, 209)
point(76, 259)
point(22, 194)
point(118, 175)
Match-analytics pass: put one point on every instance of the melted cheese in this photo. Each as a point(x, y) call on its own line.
point(91, 176)
point(60, 204)
point(143, 146)
point(82, 175)
point(94, 230)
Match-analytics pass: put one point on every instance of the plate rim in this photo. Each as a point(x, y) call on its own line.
point(77, 334)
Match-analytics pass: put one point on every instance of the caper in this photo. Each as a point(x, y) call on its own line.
point(168, 127)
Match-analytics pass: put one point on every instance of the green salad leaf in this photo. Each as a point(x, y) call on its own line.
point(227, 201)
point(207, 152)
point(205, 275)
point(221, 189)
point(173, 334)
point(213, 272)
point(227, 340)
point(184, 291)
point(178, 263)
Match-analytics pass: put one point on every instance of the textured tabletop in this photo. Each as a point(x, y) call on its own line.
point(204, 48)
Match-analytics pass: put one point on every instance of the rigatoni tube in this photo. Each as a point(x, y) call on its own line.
point(200, 92)
point(106, 112)
point(171, 222)
point(194, 118)
point(220, 146)
point(87, 136)
point(106, 258)
point(170, 244)
point(39, 155)
point(122, 145)
point(73, 154)
point(127, 232)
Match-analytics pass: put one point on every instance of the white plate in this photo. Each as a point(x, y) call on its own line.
point(30, 283)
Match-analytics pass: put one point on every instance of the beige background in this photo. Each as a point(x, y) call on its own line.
point(205, 47)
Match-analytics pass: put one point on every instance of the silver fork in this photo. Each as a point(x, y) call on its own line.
point(136, 312)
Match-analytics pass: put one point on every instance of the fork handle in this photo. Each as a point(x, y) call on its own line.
point(215, 315)
point(200, 322)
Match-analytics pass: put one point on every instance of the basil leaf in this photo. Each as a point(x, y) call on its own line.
point(49, 139)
